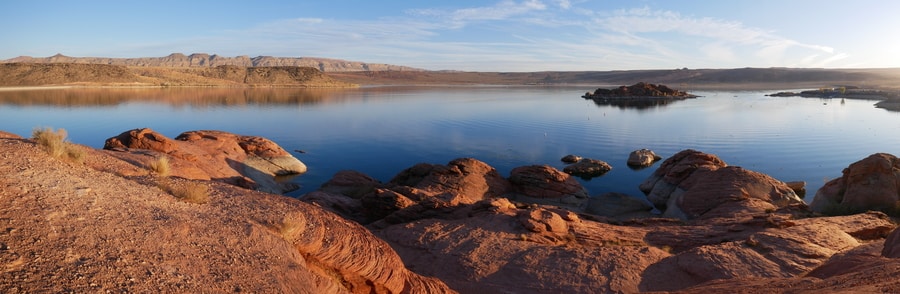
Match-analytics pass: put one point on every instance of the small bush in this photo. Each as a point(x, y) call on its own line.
point(160, 166)
point(192, 192)
point(54, 142)
point(287, 228)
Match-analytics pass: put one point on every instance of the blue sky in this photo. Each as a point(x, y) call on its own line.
point(499, 35)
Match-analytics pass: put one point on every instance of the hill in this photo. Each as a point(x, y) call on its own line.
point(200, 69)
point(206, 60)
point(43, 74)
point(686, 79)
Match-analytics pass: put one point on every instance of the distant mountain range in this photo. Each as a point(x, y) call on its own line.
point(206, 60)
point(201, 69)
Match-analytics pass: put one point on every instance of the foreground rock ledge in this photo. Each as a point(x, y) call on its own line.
point(466, 225)
point(69, 227)
point(103, 227)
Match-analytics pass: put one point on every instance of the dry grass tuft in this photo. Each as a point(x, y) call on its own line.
point(287, 228)
point(192, 192)
point(54, 142)
point(160, 166)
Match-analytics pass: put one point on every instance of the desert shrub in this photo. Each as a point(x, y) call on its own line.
point(192, 192)
point(54, 142)
point(160, 166)
point(287, 228)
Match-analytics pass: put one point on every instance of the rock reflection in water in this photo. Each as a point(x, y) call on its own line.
point(636, 103)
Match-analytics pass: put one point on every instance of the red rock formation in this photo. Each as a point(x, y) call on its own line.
point(141, 139)
point(746, 230)
point(588, 168)
point(872, 183)
point(246, 161)
point(640, 89)
point(466, 179)
point(642, 158)
point(547, 185)
point(692, 184)
point(891, 247)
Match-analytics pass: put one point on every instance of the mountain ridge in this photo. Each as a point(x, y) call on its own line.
point(214, 60)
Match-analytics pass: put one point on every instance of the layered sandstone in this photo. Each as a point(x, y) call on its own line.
point(207, 60)
point(872, 183)
point(71, 227)
point(247, 161)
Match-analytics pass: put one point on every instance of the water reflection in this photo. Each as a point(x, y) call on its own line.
point(635, 103)
point(197, 97)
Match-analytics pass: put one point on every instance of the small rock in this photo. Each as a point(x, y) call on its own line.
point(571, 158)
point(82, 191)
point(642, 158)
point(588, 168)
point(799, 187)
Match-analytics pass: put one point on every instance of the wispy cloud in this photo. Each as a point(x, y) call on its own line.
point(529, 35)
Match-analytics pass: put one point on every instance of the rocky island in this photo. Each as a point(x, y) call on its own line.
point(640, 95)
point(890, 99)
point(118, 220)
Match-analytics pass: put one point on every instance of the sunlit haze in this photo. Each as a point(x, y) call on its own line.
point(528, 35)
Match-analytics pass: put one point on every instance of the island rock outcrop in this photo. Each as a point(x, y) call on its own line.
point(247, 161)
point(872, 183)
point(692, 184)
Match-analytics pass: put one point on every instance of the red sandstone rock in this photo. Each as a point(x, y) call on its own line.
point(245, 161)
point(691, 184)
point(258, 154)
point(618, 205)
point(8, 135)
point(872, 183)
point(891, 247)
point(493, 245)
point(141, 139)
point(571, 158)
point(748, 232)
point(780, 248)
point(546, 185)
point(588, 168)
point(467, 179)
point(642, 158)
point(353, 184)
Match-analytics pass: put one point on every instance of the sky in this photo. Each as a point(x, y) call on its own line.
point(492, 35)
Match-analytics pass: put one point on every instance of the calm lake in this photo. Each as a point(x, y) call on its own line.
point(383, 130)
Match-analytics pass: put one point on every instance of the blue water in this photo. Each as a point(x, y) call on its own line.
point(382, 130)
